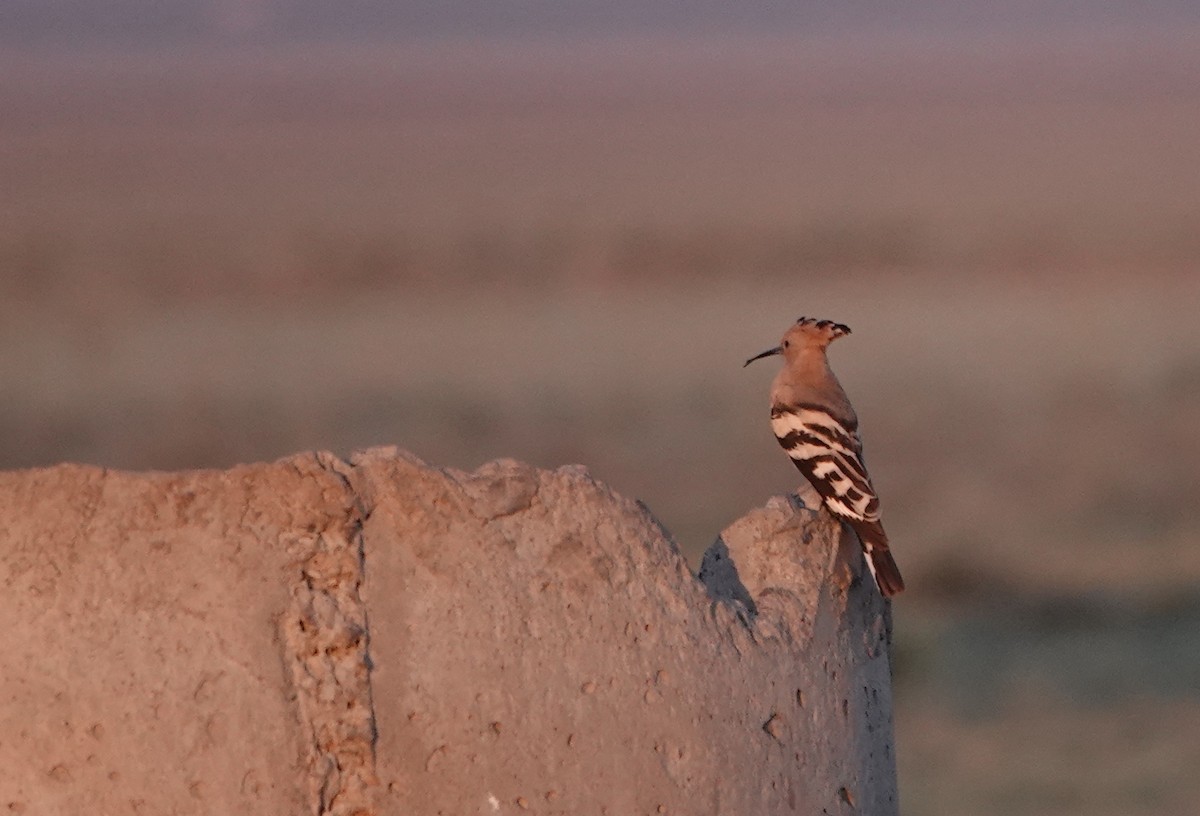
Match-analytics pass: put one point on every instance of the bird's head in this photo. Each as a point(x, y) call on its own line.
point(805, 333)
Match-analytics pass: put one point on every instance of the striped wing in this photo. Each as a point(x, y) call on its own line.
point(829, 454)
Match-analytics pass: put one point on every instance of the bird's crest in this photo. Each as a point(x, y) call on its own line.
point(827, 327)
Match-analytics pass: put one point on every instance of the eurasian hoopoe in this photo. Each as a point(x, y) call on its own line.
point(815, 424)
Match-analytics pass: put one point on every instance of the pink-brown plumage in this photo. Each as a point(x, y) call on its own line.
point(815, 424)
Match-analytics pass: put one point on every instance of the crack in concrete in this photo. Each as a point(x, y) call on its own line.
point(327, 637)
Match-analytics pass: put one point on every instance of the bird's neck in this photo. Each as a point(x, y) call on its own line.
point(812, 366)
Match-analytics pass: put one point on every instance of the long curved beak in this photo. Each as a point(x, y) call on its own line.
point(767, 353)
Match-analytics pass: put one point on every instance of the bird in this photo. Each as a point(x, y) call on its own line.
point(815, 424)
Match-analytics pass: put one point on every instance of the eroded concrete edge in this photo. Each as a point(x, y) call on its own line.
point(327, 641)
point(327, 637)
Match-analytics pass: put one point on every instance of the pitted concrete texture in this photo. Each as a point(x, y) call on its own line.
point(380, 636)
point(144, 669)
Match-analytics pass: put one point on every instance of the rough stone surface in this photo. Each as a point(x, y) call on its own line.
point(144, 668)
point(381, 636)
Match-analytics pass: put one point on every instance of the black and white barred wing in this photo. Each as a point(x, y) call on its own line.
point(829, 454)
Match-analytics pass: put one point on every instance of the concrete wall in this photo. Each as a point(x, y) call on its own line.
point(383, 637)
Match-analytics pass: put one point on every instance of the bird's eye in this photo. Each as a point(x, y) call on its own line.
point(785, 344)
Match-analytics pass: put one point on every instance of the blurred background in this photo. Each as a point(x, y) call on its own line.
point(554, 230)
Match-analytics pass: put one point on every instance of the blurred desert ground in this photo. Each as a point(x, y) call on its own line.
point(562, 251)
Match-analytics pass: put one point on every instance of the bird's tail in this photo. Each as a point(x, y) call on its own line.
point(882, 565)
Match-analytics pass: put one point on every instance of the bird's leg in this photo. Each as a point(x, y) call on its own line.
point(808, 496)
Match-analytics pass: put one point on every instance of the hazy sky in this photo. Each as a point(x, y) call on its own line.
point(67, 23)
